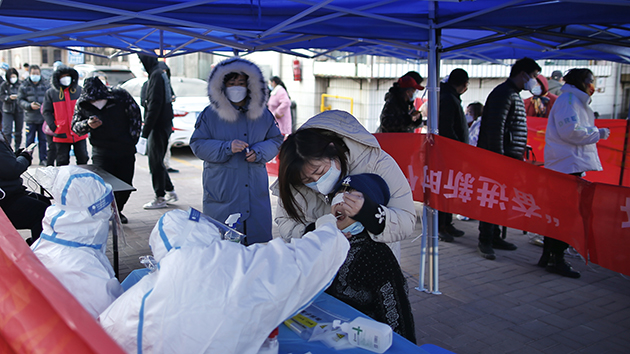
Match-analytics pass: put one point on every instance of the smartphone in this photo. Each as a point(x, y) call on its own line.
point(31, 147)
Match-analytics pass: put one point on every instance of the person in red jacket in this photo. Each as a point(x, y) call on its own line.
point(58, 109)
point(539, 105)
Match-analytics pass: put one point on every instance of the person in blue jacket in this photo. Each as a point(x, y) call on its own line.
point(236, 135)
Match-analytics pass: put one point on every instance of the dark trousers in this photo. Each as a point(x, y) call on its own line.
point(52, 151)
point(80, 153)
point(444, 219)
point(8, 122)
point(121, 166)
point(488, 232)
point(553, 246)
point(157, 143)
point(33, 130)
point(26, 211)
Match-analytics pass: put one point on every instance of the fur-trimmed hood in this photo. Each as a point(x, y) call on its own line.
point(257, 91)
point(62, 70)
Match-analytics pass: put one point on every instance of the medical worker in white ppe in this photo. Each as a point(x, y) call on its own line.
point(74, 237)
point(216, 296)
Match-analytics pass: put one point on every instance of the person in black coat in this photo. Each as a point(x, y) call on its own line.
point(399, 114)
point(370, 279)
point(12, 115)
point(158, 126)
point(112, 118)
point(24, 209)
point(452, 124)
point(504, 131)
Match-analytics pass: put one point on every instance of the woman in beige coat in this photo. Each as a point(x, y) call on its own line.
point(328, 147)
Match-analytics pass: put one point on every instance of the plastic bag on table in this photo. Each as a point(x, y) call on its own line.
point(315, 323)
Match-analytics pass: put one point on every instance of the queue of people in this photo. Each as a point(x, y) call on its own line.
point(336, 187)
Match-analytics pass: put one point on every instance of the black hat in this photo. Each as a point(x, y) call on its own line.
point(556, 75)
point(372, 186)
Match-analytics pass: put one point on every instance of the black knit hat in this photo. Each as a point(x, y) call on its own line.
point(372, 186)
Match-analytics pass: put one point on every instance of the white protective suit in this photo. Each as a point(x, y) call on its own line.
point(571, 137)
point(216, 296)
point(74, 237)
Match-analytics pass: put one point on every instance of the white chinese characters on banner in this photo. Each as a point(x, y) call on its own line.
point(489, 193)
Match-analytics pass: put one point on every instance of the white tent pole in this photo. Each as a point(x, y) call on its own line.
point(432, 214)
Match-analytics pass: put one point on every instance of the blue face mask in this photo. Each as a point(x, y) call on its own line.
point(326, 183)
point(35, 78)
point(354, 228)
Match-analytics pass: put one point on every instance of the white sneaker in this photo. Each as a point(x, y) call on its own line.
point(157, 203)
point(170, 197)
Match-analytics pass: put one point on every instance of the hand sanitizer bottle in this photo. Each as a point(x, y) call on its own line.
point(367, 334)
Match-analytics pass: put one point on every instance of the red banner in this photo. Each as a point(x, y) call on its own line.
point(611, 150)
point(455, 177)
point(458, 178)
point(37, 314)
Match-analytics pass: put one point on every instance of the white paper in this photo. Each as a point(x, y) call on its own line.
point(141, 146)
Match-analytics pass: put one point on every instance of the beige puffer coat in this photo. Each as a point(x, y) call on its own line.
point(365, 156)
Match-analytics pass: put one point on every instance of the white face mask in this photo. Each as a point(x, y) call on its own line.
point(13, 79)
point(469, 118)
point(65, 81)
point(99, 103)
point(236, 93)
point(536, 91)
point(326, 183)
point(529, 85)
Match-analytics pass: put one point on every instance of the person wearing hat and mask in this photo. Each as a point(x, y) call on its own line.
point(452, 124)
point(12, 115)
point(541, 102)
point(235, 136)
point(555, 83)
point(158, 126)
point(58, 111)
point(370, 280)
point(112, 119)
point(399, 114)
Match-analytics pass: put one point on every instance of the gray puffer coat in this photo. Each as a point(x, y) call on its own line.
point(30, 92)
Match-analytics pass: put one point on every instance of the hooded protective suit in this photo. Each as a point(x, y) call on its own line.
point(231, 184)
point(74, 238)
point(214, 296)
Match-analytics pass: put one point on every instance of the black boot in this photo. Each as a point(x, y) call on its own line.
point(558, 265)
point(544, 259)
point(501, 244)
point(486, 251)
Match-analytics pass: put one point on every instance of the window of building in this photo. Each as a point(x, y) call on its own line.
point(56, 55)
point(44, 55)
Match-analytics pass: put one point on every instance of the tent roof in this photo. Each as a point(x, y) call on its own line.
point(481, 29)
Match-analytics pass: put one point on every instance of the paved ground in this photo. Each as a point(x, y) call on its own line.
point(504, 306)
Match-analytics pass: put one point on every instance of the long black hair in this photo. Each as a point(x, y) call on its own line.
point(278, 81)
point(297, 151)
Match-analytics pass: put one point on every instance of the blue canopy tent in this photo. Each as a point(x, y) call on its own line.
point(408, 29)
point(482, 29)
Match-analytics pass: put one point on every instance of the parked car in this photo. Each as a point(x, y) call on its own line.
point(112, 75)
point(191, 99)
